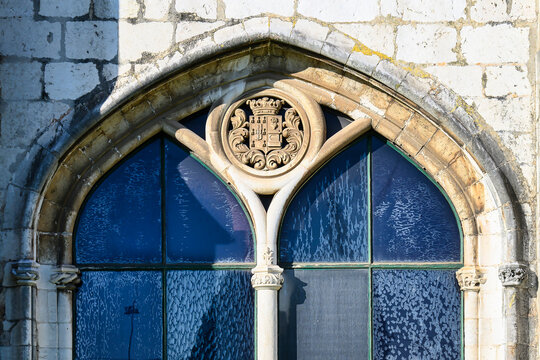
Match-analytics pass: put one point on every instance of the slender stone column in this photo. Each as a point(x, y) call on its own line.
point(470, 278)
point(267, 280)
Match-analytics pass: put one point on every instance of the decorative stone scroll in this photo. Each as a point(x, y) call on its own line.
point(66, 277)
point(265, 133)
point(512, 274)
point(25, 272)
point(470, 279)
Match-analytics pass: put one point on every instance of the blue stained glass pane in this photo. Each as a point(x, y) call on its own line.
point(197, 122)
point(204, 221)
point(210, 315)
point(335, 121)
point(119, 316)
point(412, 220)
point(416, 315)
point(323, 314)
point(121, 220)
point(328, 219)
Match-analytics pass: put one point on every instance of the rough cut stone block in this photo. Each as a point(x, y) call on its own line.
point(244, 8)
point(64, 8)
point(280, 29)
point(310, 33)
point(511, 114)
point(92, 40)
point(189, 29)
point(464, 80)
point(497, 43)
point(502, 10)
point(504, 80)
point(111, 71)
point(114, 9)
point(43, 41)
point(151, 37)
point(343, 11)
point(426, 43)
point(431, 10)
point(16, 8)
point(70, 81)
point(521, 144)
point(156, 9)
point(377, 37)
point(228, 33)
point(20, 81)
point(206, 9)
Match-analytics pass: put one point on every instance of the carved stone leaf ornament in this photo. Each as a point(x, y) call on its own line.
point(265, 140)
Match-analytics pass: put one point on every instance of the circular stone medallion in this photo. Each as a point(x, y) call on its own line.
point(266, 133)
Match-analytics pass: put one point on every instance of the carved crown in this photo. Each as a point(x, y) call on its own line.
point(265, 105)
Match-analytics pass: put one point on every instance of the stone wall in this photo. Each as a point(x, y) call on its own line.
point(65, 65)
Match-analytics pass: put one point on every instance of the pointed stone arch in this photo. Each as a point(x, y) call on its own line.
point(421, 117)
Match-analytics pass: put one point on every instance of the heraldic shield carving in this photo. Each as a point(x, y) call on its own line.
point(265, 133)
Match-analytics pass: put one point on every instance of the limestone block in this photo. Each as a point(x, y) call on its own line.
point(111, 71)
point(189, 29)
point(338, 46)
point(280, 28)
point(227, 33)
point(344, 11)
point(389, 8)
point(495, 43)
point(379, 37)
point(521, 144)
point(464, 80)
point(42, 41)
point(150, 37)
point(510, 114)
point(244, 8)
point(64, 8)
point(47, 334)
point(69, 80)
point(502, 10)
point(257, 27)
point(431, 10)
point(398, 114)
point(22, 121)
point(309, 32)
point(426, 43)
point(115, 9)
point(206, 9)
point(505, 80)
point(21, 81)
point(92, 40)
point(156, 9)
point(16, 8)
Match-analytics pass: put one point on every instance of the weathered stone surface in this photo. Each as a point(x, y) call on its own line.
point(64, 8)
point(507, 80)
point(356, 10)
point(42, 42)
point(495, 44)
point(501, 10)
point(115, 9)
point(511, 114)
point(16, 8)
point(21, 81)
point(111, 71)
point(465, 80)
point(245, 8)
point(156, 9)
point(69, 80)
point(92, 40)
point(309, 32)
point(189, 29)
point(430, 11)
point(430, 43)
point(150, 37)
point(206, 9)
point(378, 37)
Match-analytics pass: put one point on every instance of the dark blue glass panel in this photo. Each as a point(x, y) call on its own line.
point(328, 219)
point(416, 315)
point(323, 314)
point(119, 316)
point(412, 221)
point(335, 121)
point(121, 220)
point(210, 315)
point(204, 221)
point(197, 122)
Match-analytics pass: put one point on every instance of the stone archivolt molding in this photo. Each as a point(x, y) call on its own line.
point(470, 278)
point(25, 272)
point(66, 277)
point(513, 275)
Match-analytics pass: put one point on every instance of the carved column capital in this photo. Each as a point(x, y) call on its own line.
point(267, 276)
point(66, 277)
point(470, 278)
point(512, 274)
point(25, 272)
